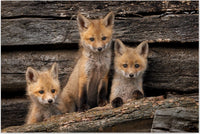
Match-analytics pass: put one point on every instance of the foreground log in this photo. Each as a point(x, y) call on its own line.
point(100, 118)
point(168, 69)
point(176, 120)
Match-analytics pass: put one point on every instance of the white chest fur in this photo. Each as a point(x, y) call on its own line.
point(98, 62)
point(124, 87)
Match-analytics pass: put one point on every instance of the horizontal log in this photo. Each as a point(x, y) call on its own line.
point(37, 31)
point(195, 96)
point(100, 119)
point(168, 69)
point(15, 65)
point(177, 119)
point(13, 112)
point(65, 9)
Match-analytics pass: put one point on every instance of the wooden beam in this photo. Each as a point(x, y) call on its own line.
point(171, 28)
point(170, 69)
point(68, 10)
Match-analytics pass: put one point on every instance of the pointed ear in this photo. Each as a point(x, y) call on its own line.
point(31, 75)
point(83, 22)
point(119, 47)
point(54, 71)
point(143, 49)
point(109, 19)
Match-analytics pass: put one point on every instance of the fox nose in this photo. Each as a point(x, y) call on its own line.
point(99, 49)
point(131, 75)
point(50, 101)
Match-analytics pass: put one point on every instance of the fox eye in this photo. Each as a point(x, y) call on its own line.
point(104, 38)
point(53, 90)
point(41, 91)
point(91, 39)
point(125, 65)
point(137, 65)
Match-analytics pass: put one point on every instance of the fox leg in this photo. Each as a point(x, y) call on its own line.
point(102, 92)
point(138, 94)
point(33, 116)
point(67, 106)
point(82, 95)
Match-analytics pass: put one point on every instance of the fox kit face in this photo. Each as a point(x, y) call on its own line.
point(130, 62)
point(96, 34)
point(43, 87)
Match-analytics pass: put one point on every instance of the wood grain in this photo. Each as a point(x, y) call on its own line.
point(168, 69)
point(39, 31)
point(100, 118)
point(177, 119)
point(68, 10)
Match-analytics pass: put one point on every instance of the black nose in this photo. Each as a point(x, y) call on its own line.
point(50, 101)
point(131, 75)
point(99, 49)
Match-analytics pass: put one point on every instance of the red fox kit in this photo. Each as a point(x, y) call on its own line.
point(87, 85)
point(130, 65)
point(43, 88)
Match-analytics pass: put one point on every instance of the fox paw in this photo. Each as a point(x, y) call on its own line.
point(137, 95)
point(102, 103)
point(117, 102)
point(84, 108)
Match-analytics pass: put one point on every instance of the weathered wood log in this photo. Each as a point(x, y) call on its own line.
point(195, 96)
point(177, 119)
point(168, 69)
point(101, 118)
point(13, 112)
point(172, 28)
point(63, 9)
point(38, 24)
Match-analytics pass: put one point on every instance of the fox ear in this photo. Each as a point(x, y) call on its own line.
point(54, 71)
point(83, 22)
point(143, 49)
point(31, 75)
point(109, 19)
point(119, 47)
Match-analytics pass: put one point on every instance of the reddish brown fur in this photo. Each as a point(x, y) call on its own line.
point(130, 57)
point(45, 81)
point(93, 66)
point(97, 30)
point(128, 80)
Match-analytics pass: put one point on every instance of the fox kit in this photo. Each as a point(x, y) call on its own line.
point(87, 85)
point(43, 88)
point(130, 65)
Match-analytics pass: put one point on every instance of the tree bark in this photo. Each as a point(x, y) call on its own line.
point(177, 119)
point(100, 118)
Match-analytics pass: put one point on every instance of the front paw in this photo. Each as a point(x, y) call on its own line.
point(102, 103)
point(117, 102)
point(137, 95)
point(84, 108)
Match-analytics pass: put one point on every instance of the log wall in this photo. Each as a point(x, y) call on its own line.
point(39, 33)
